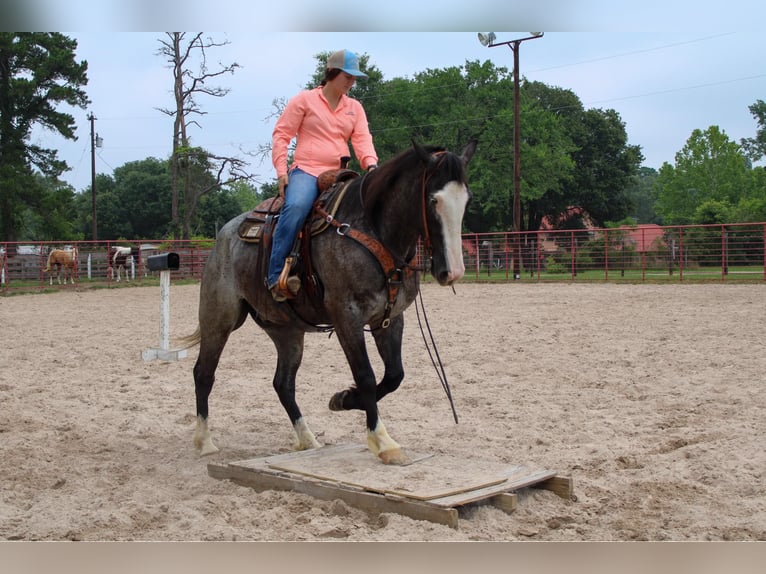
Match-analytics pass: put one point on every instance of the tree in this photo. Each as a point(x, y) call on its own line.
point(37, 72)
point(755, 148)
point(186, 160)
point(605, 165)
point(710, 175)
point(641, 195)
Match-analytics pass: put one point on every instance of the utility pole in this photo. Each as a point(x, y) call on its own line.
point(92, 119)
point(488, 40)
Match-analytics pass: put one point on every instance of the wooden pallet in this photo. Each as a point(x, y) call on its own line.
point(431, 487)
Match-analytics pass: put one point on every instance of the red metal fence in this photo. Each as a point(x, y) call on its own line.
point(646, 253)
point(730, 252)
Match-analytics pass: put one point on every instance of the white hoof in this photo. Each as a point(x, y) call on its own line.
point(304, 438)
point(202, 438)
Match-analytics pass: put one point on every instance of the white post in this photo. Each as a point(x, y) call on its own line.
point(165, 310)
point(90, 275)
point(163, 352)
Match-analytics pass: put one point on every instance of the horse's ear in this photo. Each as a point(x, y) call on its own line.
point(424, 156)
point(468, 151)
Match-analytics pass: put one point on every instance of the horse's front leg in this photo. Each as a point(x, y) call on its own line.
point(389, 344)
point(365, 395)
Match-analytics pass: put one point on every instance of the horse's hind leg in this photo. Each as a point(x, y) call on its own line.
point(289, 344)
point(215, 327)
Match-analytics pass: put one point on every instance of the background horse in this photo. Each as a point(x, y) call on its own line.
point(119, 261)
point(361, 277)
point(62, 259)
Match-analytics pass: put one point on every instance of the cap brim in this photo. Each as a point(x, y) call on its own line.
point(355, 73)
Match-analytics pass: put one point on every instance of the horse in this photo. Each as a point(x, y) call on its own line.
point(118, 260)
point(361, 278)
point(63, 260)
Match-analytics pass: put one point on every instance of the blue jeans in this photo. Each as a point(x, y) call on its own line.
point(300, 194)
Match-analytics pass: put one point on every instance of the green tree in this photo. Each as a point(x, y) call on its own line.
point(133, 202)
point(641, 195)
point(605, 165)
point(711, 175)
point(755, 148)
point(38, 71)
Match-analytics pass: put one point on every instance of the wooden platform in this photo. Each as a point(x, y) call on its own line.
point(431, 487)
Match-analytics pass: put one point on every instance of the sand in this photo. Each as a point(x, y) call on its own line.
point(650, 397)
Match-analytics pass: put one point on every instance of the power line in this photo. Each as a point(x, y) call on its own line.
point(631, 53)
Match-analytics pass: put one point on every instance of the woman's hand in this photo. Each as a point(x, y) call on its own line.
point(282, 183)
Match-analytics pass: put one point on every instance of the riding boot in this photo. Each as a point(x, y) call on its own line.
point(288, 285)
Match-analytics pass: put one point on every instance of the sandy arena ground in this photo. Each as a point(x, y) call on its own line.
point(650, 397)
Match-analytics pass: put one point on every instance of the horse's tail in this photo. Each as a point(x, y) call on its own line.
point(191, 340)
point(48, 264)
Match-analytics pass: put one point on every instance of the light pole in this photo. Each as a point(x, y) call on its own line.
point(488, 40)
point(95, 141)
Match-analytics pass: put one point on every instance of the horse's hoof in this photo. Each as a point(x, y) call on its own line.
point(336, 402)
point(208, 449)
point(394, 456)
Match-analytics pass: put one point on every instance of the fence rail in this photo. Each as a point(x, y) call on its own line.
point(646, 253)
point(726, 252)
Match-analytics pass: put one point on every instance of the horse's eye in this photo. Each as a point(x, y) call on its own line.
point(434, 201)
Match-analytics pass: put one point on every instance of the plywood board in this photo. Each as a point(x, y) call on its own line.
point(425, 478)
point(432, 487)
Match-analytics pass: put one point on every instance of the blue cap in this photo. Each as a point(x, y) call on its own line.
point(346, 61)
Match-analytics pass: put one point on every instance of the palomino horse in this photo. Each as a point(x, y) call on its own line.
point(118, 261)
point(62, 260)
point(361, 276)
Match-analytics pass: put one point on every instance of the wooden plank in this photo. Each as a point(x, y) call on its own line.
point(517, 478)
point(266, 479)
point(506, 501)
point(432, 487)
point(560, 485)
point(431, 477)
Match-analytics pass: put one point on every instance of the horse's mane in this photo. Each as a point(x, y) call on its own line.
point(388, 175)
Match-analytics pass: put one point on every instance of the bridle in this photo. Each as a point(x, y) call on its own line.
point(424, 200)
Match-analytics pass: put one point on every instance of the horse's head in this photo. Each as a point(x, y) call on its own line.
point(445, 195)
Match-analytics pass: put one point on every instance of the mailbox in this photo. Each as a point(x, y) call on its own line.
point(163, 262)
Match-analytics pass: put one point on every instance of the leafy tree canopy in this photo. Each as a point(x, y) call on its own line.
point(38, 72)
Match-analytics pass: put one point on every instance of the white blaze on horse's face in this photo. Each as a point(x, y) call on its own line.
point(450, 205)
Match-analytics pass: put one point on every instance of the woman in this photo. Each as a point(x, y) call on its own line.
point(322, 120)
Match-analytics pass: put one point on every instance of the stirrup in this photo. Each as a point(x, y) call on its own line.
point(288, 285)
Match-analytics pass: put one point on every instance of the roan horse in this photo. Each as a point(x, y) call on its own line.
point(63, 260)
point(420, 193)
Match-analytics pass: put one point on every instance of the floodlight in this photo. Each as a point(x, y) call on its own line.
point(486, 39)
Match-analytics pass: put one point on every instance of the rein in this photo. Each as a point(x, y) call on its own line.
point(440, 373)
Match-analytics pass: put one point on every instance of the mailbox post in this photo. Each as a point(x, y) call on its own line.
point(164, 263)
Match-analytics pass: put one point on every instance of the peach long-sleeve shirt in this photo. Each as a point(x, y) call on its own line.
point(322, 134)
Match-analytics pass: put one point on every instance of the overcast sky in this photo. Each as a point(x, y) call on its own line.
point(663, 84)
